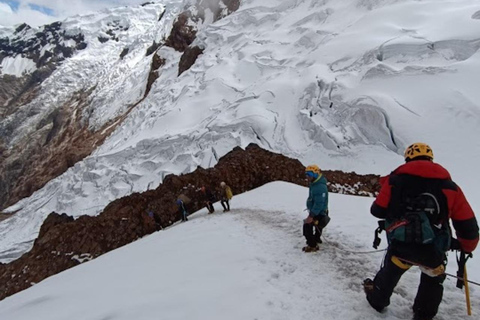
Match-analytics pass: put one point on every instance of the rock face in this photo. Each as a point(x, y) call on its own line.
point(33, 45)
point(60, 139)
point(63, 137)
point(188, 58)
point(184, 30)
point(63, 242)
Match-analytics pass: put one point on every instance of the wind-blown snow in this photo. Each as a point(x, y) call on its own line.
point(344, 84)
point(244, 264)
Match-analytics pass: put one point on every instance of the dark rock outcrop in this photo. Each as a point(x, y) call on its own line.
point(157, 62)
point(188, 58)
point(53, 219)
point(64, 242)
point(182, 34)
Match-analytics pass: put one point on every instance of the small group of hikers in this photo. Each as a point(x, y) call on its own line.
point(208, 198)
point(415, 204)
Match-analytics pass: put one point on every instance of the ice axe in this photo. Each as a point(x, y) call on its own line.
point(462, 277)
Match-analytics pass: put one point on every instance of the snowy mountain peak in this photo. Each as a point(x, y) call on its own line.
point(28, 49)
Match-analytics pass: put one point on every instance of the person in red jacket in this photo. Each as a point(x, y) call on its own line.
point(410, 243)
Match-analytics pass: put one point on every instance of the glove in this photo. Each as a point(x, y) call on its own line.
point(307, 220)
point(455, 245)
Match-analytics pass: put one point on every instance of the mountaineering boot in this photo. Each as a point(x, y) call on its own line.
point(368, 286)
point(310, 249)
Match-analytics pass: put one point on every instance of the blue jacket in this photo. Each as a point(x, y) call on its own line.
point(317, 202)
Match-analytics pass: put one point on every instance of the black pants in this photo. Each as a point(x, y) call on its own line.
point(210, 207)
point(225, 204)
point(429, 294)
point(313, 231)
point(182, 212)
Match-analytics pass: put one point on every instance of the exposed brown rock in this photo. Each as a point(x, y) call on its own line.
point(10, 86)
point(64, 242)
point(53, 219)
point(182, 34)
point(157, 62)
point(61, 139)
point(232, 5)
point(188, 58)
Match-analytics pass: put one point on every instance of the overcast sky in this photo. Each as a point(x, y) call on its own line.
point(39, 12)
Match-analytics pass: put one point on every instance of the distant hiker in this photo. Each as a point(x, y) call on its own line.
point(416, 200)
point(209, 199)
point(156, 218)
point(182, 202)
point(226, 196)
point(317, 206)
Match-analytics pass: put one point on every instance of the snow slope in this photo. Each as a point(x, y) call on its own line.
point(244, 264)
point(345, 84)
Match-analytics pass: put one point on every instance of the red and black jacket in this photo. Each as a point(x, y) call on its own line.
point(421, 173)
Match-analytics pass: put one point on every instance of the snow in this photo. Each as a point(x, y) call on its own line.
point(344, 84)
point(17, 66)
point(244, 264)
point(6, 31)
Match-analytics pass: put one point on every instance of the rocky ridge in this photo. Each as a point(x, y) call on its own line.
point(64, 242)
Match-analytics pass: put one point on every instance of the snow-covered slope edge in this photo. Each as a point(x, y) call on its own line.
point(245, 264)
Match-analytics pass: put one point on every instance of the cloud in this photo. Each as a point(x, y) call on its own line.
point(40, 12)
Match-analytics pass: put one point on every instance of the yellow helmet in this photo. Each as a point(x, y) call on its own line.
point(418, 149)
point(313, 170)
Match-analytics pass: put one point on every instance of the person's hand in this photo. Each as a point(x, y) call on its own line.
point(455, 245)
point(308, 219)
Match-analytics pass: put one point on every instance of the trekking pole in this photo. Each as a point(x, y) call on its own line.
point(462, 277)
point(467, 292)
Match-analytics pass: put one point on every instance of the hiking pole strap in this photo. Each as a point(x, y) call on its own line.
point(461, 269)
point(377, 240)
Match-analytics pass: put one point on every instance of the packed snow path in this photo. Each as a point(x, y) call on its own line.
point(243, 264)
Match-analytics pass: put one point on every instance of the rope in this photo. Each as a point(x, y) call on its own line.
point(460, 278)
point(354, 252)
point(350, 251)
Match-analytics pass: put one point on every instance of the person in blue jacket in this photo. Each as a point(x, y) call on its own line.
point(182, 210)
point(317, 206)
